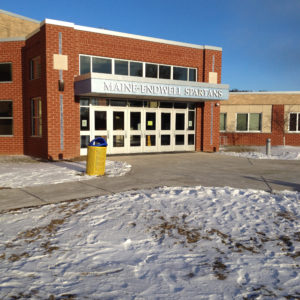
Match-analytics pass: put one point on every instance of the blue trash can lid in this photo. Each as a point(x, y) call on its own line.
point(98, 142)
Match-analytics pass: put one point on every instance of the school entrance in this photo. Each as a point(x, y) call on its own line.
point(138, 126)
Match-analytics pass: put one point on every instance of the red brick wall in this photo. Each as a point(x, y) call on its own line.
point(35, 46)
point(81, 42)
point(11, 52)
point(259, 139)
point(71, 122)
point(45, 43)
point(207, 126)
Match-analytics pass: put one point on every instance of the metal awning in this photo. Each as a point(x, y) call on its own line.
point(103, 85)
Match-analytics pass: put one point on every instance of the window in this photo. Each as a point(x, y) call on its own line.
point(35, 68)
point(36, 117)
point(5, 72)
point(165, 72)
point(151, 70)
point(124, 67)
point(192, 74)
point(121, 67)
point(6, 117)
point(85, 64)
point(101, 65)
point(248, 122)
point(180, 73)
point(223, 117)
point(136, 69)
point(294, 124)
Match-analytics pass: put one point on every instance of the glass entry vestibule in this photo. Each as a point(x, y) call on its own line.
point(138, 126)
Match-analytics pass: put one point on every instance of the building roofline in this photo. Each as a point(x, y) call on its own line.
point(127, 35)
point(18, 16)
point(13, 39)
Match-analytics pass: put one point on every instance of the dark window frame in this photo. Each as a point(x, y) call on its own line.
point(8, 117)
point(35, 68)
point(36, 117)
point(10, 71)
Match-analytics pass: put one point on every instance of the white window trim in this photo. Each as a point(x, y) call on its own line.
point(144, 67)
point(297, 122)
point(248, 123)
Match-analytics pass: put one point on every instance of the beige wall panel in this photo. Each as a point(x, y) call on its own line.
point(213, 77)
point(231, 122)
point(60, 62)
point(232, 110)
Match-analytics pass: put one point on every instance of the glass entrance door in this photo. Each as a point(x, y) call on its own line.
point(179, 132)
point(99, 123)
point(135, 132)
point(165, 133)
point(131, 129)
point(118, 134)
point(150, 133)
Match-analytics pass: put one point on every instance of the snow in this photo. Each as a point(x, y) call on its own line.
point(164, 243)
point(277, 152)
point(21, 174)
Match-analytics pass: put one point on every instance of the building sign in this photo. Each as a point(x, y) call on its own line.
point(118, 87)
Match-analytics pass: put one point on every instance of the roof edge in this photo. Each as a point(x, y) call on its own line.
point(13, 39)
point(128, 35)
point(18, 16)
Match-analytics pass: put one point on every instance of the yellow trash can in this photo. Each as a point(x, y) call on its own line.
point(96, 157)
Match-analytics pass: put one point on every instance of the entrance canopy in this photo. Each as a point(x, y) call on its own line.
point(94, 84)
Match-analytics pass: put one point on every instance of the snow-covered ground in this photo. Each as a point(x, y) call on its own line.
point(21, 174)
point(277, 152)
point(165, 243)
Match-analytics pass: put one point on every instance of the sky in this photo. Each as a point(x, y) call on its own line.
point(260, 38)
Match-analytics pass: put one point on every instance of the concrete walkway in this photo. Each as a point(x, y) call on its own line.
point(176, 169)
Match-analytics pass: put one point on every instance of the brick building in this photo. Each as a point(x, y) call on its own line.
point(63, 85)
point(252, 117)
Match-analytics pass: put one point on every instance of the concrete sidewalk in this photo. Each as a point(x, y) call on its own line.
point(175, 169)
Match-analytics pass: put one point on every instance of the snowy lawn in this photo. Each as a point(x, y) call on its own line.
point(164, 243)
point(21, 174)
point(256, 152)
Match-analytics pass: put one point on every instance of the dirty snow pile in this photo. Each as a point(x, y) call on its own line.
point(16, 175)
point(277, 152)
point(164, 243)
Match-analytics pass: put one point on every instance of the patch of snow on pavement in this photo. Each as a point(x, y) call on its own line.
point(16, 175)
point(277, 152)
point(164, 243)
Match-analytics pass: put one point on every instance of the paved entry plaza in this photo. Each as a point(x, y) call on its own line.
point(175, 169)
